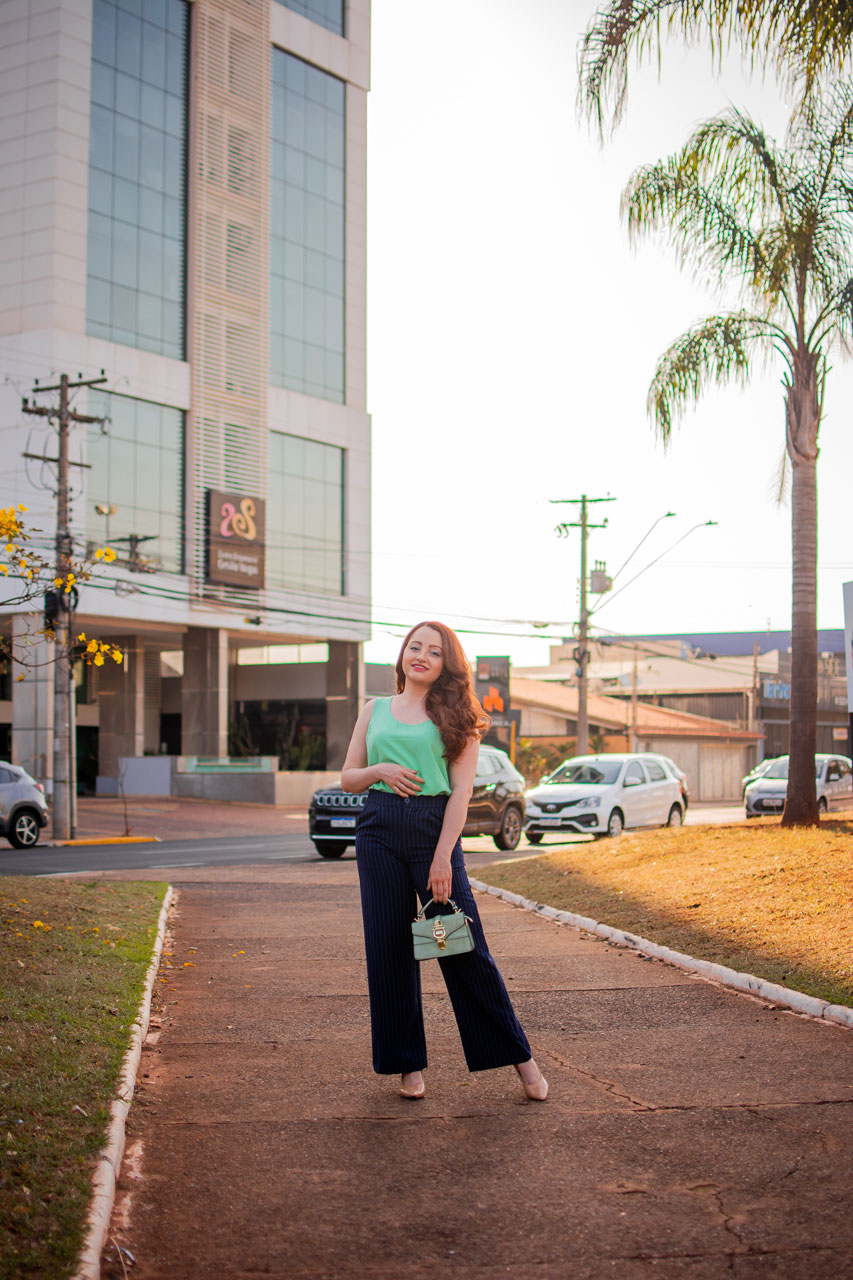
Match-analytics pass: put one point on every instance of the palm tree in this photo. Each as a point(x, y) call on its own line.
point(777, 222)
point(804, 39)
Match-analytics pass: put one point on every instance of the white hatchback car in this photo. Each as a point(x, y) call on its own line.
point(833, 782)
point(601, 795)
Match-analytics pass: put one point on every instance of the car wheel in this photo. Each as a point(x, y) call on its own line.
point(24, 831)
point(510, 829)
point(676, 817)
point(534, 837)
point(331, 848)
point(615, 823)
point(822, 806)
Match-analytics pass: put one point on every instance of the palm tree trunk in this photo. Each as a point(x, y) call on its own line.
point(803, 422)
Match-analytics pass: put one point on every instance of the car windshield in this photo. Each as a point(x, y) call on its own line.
point(598, 773)
point(779, 768)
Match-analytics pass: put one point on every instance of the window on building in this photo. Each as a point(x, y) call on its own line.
point(307, 229)
point(305, 527)
point(329, 13)
point(134, 489)
point(137, 174)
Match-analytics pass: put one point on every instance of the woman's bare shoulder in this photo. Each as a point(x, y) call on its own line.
point(367, 710)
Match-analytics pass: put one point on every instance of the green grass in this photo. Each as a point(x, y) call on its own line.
point(757, 898)
point(73, 958)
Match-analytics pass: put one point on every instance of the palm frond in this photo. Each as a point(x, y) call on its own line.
point(803, 39)
point(706, 197)
point(634, 27)
point(715, 351)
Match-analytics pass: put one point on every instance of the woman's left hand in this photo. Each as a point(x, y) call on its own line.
point(440, 878)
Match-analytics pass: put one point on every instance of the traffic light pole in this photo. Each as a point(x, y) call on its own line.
point(582, 652)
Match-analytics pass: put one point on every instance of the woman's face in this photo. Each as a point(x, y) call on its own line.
point(423, 657)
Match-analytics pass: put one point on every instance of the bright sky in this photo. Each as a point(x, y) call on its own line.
point(513, 333)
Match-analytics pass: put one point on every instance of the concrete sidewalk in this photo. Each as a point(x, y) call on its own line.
point(691, 1133)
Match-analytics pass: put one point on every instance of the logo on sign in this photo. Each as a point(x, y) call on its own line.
point(240, 523)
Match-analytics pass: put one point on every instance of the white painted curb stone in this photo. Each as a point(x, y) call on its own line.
point(796, 1000)
point(109, 1161)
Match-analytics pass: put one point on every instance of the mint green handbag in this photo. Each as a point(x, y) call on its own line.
point(441, 935)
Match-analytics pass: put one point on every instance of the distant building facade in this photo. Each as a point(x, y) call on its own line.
point(741, 678)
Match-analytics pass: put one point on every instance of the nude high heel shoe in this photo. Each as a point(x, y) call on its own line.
point(536, 1092)
point(413, 1092)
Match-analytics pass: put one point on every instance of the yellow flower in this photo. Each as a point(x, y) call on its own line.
point(109, 555)
point(118, 655)
point(21, 507)
point(99, 659)
point(92, 646)
point(82, 637)
point(99, 554)
point(4, 569)
point(57, 582)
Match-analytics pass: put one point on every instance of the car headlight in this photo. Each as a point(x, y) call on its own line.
point(591, 802)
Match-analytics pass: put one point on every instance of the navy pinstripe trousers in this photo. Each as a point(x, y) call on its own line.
point(394, 845)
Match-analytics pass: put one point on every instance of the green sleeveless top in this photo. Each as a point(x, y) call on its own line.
point(414, 746)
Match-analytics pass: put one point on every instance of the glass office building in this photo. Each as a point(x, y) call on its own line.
point(195, 228)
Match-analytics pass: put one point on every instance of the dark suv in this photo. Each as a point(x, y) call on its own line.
point(496, 808)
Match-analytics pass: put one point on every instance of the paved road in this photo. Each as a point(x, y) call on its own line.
point(205, 851)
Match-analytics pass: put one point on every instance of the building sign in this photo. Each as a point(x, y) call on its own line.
point(492, 684)
point(236, 536)
point(776, 691)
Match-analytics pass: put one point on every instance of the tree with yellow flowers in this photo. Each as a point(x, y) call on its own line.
point(30, 576)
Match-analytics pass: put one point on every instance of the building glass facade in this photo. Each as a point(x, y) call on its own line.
point(305, 526)
point(329, 13)
point(137, 467)
point(137, 174)
point(307, 229)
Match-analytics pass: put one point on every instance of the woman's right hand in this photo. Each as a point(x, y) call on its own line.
point(405, 782)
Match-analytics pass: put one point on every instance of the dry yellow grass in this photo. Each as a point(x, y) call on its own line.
point(774, 902)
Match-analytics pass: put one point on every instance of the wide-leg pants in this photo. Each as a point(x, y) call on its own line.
point(395, 842)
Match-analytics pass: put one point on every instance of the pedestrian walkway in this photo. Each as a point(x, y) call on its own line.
point(692, 1133)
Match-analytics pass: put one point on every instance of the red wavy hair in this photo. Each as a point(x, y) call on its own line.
point(451, 703)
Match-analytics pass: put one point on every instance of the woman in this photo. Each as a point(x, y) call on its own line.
point(417, 754)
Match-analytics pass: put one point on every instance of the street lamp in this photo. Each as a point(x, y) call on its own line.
point(703, 524)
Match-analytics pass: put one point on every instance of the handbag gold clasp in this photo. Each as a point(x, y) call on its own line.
point(439, 933)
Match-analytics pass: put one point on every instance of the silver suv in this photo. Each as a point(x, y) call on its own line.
point(23, 808)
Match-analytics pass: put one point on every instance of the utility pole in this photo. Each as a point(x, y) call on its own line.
point(634, 683)
point(64, 728)
point(581, 652)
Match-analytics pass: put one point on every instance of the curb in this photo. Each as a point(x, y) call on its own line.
point(109, 1160)
point(748, 982)
point(61, 844)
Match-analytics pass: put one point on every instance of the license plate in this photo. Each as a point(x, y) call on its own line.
point(343, 822)
point(547, 822)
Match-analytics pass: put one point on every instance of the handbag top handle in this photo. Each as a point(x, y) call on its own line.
point(421, 913)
